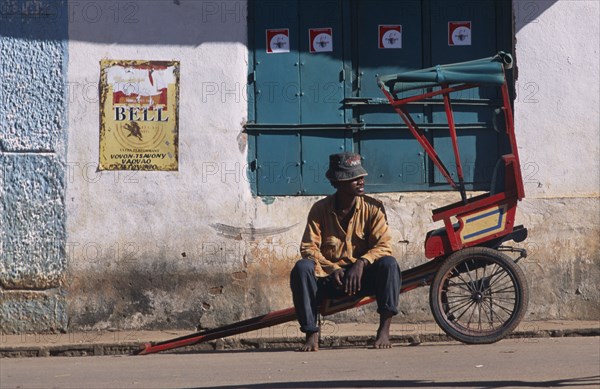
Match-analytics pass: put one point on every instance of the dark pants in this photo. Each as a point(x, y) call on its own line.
point(381, 279)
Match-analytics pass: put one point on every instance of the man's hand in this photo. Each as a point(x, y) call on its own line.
point(353, 277)
point(338, 277)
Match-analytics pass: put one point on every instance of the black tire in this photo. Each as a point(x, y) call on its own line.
point(478, 295)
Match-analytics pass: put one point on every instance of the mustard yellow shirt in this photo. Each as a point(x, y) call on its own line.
point(331, 247)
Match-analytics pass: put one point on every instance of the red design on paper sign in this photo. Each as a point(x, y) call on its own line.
point(459, 33)
point(390, 36)
point(320, 40)
point(278, 40)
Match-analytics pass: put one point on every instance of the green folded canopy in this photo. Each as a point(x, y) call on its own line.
point(489, 71)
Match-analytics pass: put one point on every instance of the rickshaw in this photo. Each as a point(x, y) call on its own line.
point(478, 293)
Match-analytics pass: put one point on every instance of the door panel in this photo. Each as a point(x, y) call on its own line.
point(322, 91)
point(278, 164)
point(373, 61)
point(277, 77)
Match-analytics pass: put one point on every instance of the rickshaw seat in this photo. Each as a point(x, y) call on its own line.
point(484, 217)
point(496, 210)
point(438, 239)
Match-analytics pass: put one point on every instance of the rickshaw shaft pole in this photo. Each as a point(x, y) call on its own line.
point(421, 275)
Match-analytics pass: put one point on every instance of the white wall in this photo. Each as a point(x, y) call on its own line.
point(557, 109)
point(121, 222)
point(557, 124)
point(160, 207)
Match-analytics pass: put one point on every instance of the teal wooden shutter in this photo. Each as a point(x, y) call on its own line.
point(305, 106)
point(473, 108)
point(391, 155)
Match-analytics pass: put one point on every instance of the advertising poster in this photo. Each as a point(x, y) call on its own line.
point(320, 40)
point(139, 115)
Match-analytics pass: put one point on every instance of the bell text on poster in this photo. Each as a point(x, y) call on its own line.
point(139, 115)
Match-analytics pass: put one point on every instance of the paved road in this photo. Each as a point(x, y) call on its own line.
point(518, 363)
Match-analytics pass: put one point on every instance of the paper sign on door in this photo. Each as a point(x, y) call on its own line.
point(459, 33)
point(390, 36)
point(278, 41)
point(320, 40)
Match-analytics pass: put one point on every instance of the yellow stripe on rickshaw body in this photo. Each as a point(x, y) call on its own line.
point(483, 223)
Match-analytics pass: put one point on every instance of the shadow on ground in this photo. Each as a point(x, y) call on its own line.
point(593, 381)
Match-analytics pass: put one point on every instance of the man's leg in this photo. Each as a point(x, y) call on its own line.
point(384, 279)
point(382, 339)
point(304, 291)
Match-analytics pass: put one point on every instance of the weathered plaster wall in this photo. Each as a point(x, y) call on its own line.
point(194, 247)
point(557, 118)
point(32, 159)
point(141, 247)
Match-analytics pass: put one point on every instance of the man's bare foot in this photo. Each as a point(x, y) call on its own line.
point(383, 332)
point(312, 342)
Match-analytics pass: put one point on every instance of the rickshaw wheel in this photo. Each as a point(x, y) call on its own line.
point(479, 295)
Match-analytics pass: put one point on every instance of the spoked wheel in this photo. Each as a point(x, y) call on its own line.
point(478, 295)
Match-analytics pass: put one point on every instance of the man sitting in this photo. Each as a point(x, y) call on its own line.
point(346, 250)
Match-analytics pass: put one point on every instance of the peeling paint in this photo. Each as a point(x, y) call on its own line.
point(248, 233)
point(216, 290)
point(268, 200)
point(242, 140)
point(240, 275)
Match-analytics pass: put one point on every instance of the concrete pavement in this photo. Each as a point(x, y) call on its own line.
point(513, 363)
point(285, 336)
